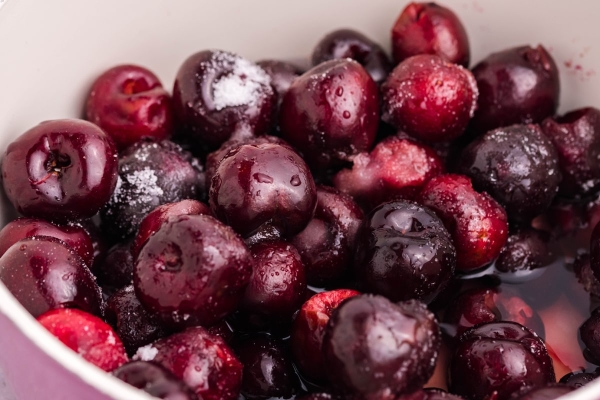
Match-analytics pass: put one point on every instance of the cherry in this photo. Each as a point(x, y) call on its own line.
point(577, 380)
point(397, 167)
point(590, 334)
point(308, 330)
point(548, 392)
point(517, 165)
point(43, 274)
point(497, 359)
point(87, 335)
point(428, 28)
point(316, 396)
point(429, 394)
point(61, 170)
point(154, 380)
point(72, 235)
point(429, 98)
point(525, 250)
point(201, 360)
point(516, 85)
point(373, 347)
point(99, 242)
point(477, 223)
point(260, 185)
point(404, 252)
point(585, 275)
point(330, 113)
point(192, 271)
point(220, 95)
point(348, 43)
point(282, 75)
point(116, 271)
point(129, 103)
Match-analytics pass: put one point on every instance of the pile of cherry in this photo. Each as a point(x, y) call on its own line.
point(179, 242)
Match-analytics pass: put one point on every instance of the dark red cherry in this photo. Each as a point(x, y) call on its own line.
point(428, 28)
point(404, 252)
point(87, 335)
point(429, 394)
point(72, 235)
point(192, 271)
point(100, 243)
point(548, 392)
point(397, 167)
point(525, 250)
point(373, 347)
point(282, 74)
point(583, 270)
point(43, 274)
point(517, 85)
point(258, 185)
point(577, 380)
point(116, 271)
point(348, 43)
point(60, 170)
point(331, 113)
point(595, 251)
point(429, 98)
point(590, 334)
point(498, 359)
point(154, 380)
point(218, 96)
point(201, 360)
point(129, 103)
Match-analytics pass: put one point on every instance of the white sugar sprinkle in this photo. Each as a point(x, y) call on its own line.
point(146, 353)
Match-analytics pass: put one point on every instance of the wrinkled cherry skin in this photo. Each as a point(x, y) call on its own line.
point(128, 102)
point(548, 392)
point(116, 271)
point(517, 85)
point(192, 271)
point(429, 98)
point(525, 250)
point(308, 330)
point(477, 223)
point(43, 274)
point(277, 286)
point(282, 74)
point(331, 113)
point(263, 185)
point(135, 326)
point(427, 28)
point(327, 244)
point(161, 214)
point(577, 380)
point(517, 165)
point(499, 358)
point(154, 380)
point(268, 372)
point(397, 167)
point(348, 43)
point(590, 334)
point(62, 170)
point(585, 274)
point(201, 360)
point(207, 120)
point(87, 335)
point(73, 236)
point(576, 138)
point(404, 252)
point(373, 347)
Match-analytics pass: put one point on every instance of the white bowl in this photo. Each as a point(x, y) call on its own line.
point(50, 51)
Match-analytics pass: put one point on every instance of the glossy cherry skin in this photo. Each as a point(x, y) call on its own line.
point(192, 271)
point(268, 371)
point(576, 138)
point(308, 330)
point(73, 236)
point(517, 85)
point(87, 335)
point(277, 286)
point(429, 98)
point(201, 360)
point(331, 113)
point(135, 326)
point(348, 43)
point(327, 244)
point(282, 74)
point(525, 250)
point(116, 271)
point(548, 392)
point(161, 214)
point(498, 359)
point(150, 174)
point(404, 252)
point(61, 170)
point(477, 223)
point(373, 347)
point(590, 334)
point(219, 95)
point(263, 185)
point(428, 28)
point(517, 165)
point(128, 102)
point(43, 274)
point(397, 167)
point(577, 380)
point(154, 380)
